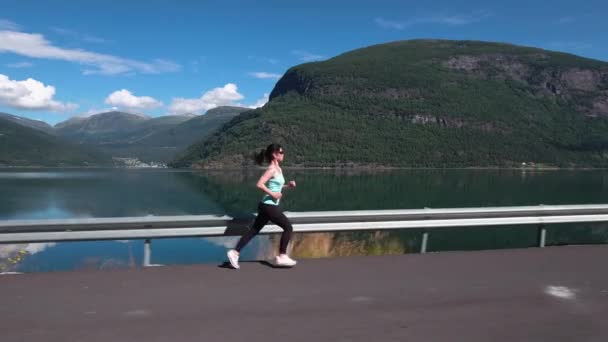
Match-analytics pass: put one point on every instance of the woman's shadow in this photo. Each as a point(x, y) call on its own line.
point(266, 263)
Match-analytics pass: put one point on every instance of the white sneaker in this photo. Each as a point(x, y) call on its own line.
point(285, 260)
point(233, 257)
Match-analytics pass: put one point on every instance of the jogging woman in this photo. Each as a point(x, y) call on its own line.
point(271, 183)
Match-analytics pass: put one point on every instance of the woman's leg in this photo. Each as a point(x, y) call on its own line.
point(277, 216)
point(258, 224)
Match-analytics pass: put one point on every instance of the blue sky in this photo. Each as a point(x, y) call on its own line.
point(60, 59)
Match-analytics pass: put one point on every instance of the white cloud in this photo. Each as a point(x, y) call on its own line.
point(389, 24)
point(77, 35)
point(265, 75)
point(125, 99)
point(227, 95)
point(9, 25)
point(30, 94)
point(259, 103)
point(306, 56)
point(441, 19)
point(20, 65)
point(264, 59)
point(194, 65)
point(36, 46)
point(197, 62)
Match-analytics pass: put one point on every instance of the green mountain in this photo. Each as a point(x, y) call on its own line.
point(24, 146)
point(427, 103)
point(36, 124)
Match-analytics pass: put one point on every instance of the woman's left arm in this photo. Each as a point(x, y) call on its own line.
point(291, 184)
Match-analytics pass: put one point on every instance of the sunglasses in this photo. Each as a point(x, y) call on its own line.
point(281, 152)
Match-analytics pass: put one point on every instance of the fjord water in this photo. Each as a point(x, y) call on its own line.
point(70, 193)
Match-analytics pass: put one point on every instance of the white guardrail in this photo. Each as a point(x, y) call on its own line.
point(155, 227)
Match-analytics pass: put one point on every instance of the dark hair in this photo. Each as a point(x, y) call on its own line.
point(266, 154)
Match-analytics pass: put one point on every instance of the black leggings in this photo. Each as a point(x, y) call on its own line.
point(273, 213)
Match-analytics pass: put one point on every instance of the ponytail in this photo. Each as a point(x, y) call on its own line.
point(265, 155)
point(259, 157)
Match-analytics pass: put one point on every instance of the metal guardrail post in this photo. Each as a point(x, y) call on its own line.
point(147, 252)
point(425, 240)
point(542, 235)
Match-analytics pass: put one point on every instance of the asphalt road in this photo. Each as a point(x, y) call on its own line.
point(550, 294)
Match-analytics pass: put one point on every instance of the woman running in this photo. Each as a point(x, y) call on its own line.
point(271, 183)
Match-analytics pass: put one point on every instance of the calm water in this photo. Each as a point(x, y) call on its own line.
point(41, 194)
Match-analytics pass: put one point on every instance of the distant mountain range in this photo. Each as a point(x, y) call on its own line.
point(21, 145)
point(168, 142)
point(148, 139)
point(100, 128)
point(36, 124)
point(112, 134)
